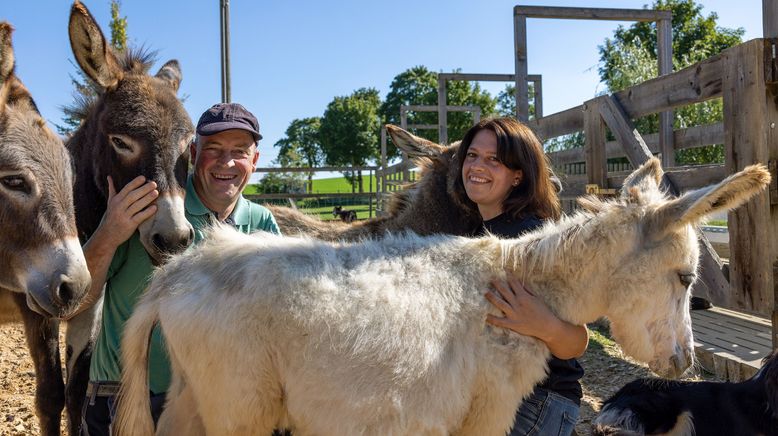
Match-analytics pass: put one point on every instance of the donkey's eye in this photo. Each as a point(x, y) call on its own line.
point(120, 144)
point(687, 279)
point(16, 183)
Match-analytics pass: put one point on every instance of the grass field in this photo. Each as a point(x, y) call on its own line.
point(332, 185)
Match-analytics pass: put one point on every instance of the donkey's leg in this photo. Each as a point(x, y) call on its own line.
point(43, 341)
point(180, 415)
point(79, 338)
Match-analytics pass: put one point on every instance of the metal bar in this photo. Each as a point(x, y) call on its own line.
point(224, 25)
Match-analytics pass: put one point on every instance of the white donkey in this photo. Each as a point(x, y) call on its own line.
point(389, 337)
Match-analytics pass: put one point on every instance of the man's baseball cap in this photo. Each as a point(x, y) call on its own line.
point(226, 116)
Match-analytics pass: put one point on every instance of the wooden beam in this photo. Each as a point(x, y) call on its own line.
point(625, 132)
point(590, 13)
point(770, 18)
point(442, 112)
point(558, 124)
point(311, 169)
point(520, 58)
point(750, 116)
point(538, 84)
point(487, 77)
point(594, 129)
point(664, 32)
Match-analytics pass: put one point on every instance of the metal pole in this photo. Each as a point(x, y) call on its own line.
point(224, 26)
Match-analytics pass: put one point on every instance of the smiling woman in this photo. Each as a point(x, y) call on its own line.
point(505, 173)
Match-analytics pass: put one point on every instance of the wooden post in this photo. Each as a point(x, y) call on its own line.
point(382, 176)
point(538, 84)
point(520, 51)
point(664, 32)
point(442, 112)
point(750, 117)
point(770, 18)
point(594, 131)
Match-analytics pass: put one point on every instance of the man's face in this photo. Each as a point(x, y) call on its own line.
point(223, 164)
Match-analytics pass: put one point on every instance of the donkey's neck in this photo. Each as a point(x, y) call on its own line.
point(565, 264)
point(90, 202)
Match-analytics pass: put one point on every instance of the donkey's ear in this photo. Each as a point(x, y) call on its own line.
point(90, 48)
point(6, 52)
point(170, 73)
point(413, 145)
point(644, 179)
point(730, 193)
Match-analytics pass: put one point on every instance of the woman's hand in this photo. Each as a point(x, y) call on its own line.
point(526, 314)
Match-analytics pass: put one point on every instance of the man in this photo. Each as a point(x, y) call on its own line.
point(224, 155)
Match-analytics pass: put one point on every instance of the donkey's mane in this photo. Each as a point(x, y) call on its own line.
point(134, 60)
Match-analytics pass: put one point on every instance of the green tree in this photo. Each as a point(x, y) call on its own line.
point(349, 132)
point(302, 140)
point(84, 88)
point(283, 182)
point(630, 57)
point(419, 86)
point(506, 101)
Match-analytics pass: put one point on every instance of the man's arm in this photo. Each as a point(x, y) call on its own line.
point(125, 211)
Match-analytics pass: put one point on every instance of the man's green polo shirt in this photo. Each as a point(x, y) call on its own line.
point(128, 276)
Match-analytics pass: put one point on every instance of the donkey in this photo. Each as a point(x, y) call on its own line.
point(135, 126)
point(389, 336)
point(433, 204)
point(43, 273)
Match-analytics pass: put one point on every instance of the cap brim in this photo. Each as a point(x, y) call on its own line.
point(214, 128)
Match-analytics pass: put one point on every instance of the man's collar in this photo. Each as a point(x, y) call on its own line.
point(241, 214)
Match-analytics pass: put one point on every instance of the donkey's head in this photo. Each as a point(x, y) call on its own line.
point(136, 126)
point(39, 250)
point(422, 202)
point(643, 254)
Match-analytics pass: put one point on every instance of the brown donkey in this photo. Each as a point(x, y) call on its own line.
point(433, 204)
point(43, 274)
point(135, 126)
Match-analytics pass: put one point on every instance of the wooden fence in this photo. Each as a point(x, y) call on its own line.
point(746, 78)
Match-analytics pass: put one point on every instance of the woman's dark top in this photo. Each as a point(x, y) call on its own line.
point(563, 375)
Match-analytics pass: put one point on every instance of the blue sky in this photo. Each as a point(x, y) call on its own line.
point(290, 58)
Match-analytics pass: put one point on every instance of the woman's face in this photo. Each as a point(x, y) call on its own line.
point(487, 181)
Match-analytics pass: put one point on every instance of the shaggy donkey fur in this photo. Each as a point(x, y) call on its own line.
point(656, 406)
point(43, 273)
point(389, 337)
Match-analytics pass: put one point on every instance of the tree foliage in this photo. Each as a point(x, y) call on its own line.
point(630, 57)
point(419, 86)
point(349, 131)
point(300, 147)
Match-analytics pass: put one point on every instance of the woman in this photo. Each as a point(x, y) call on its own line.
point(506, 174)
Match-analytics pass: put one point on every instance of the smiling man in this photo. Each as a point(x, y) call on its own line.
point(224, 154)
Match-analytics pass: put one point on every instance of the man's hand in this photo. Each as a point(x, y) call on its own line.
point(127, 209)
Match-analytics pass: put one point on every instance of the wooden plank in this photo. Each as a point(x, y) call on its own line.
point(442, 113)
point(624, 131)
point(281, 196)
point(693, 84)
point(488, 77)
point(591, 13)
point(747, 117)
point(311, 169)
point(691, 137)
point(558, 124)
point(520, 64)
point(664, 33)
point(594, 129)
point(421, 126)
point(770, 18)
point(538, 85)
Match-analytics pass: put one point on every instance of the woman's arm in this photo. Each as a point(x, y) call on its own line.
point(526, 314)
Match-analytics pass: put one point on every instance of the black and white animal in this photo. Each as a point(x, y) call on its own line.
point(658, 406)
point(346, 216)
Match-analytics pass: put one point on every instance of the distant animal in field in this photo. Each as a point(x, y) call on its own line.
point(135, 126)
point(655, 406)
point(347, 216)
point(43, 273)
point(389, 336)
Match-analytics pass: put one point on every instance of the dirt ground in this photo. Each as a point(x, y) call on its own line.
point(606, 371)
